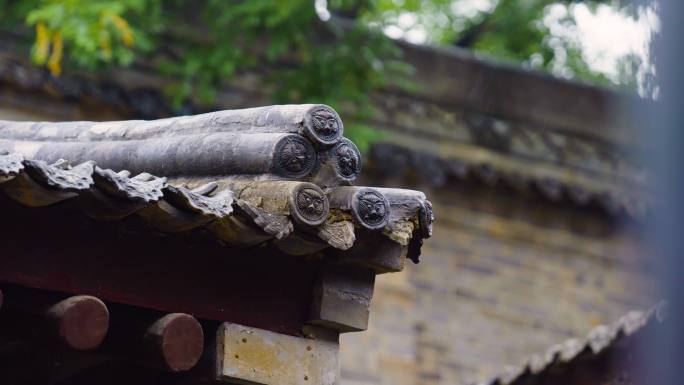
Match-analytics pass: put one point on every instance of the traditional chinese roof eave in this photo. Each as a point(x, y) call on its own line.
point(237, 183)
point(578, 351)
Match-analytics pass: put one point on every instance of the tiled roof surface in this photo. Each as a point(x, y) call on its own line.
point(393, 160)
point(573, 351)
point(278, 188)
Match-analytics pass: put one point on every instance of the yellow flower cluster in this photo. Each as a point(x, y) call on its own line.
point(49, 45)
point(124, 29)
point(121, 25)
point(46, 39)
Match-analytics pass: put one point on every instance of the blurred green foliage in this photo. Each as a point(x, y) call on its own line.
point(201, 45)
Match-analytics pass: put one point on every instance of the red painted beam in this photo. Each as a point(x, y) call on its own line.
point(58, 248)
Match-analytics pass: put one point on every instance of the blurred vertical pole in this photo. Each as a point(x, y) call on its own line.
point(664, 137)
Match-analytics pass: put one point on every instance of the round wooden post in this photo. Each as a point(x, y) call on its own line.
point(175, 342)
point(80, 322)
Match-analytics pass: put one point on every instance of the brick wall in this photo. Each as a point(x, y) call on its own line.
point(504, 277)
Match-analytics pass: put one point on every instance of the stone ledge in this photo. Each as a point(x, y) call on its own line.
point(248, 355)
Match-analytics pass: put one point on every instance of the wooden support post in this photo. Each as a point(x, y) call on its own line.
point(175, 342)
point(172, 343)
point(79, 322)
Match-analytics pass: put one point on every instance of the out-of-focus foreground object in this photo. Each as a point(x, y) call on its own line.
point(664, 350)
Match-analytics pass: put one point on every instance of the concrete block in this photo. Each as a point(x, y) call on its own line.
point(247, 355)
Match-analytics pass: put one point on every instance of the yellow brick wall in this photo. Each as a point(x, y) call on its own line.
point(503, 278)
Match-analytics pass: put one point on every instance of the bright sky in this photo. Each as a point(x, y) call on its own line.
point(605, 36)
